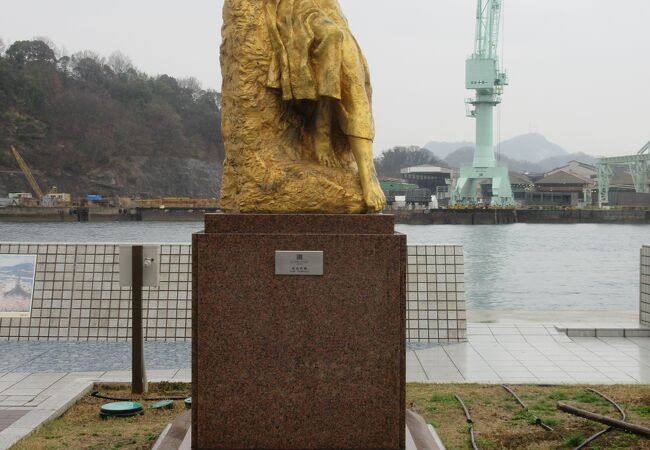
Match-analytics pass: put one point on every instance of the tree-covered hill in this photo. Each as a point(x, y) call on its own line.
point(391, 162)
point(89, 124)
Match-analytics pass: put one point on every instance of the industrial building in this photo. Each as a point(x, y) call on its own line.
point(428, 177)
point(574, 185)
point(562, 188)
point(418, 186)
point(522, 185)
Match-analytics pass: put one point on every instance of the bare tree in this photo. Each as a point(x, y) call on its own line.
point(89, 54)
point(2, 47)
point(193, 85)
point(119, 62)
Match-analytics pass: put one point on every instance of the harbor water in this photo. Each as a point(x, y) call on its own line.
point(508, 267)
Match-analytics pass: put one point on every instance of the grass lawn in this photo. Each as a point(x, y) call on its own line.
point(82, 428)
point(500, 423)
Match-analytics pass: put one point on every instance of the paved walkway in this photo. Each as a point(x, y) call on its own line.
point(40, 380)
point(28, 400)
point(531, 353)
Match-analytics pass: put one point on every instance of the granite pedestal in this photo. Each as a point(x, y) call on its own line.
point(298, 362)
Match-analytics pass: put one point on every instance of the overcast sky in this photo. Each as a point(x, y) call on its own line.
point(579, 69)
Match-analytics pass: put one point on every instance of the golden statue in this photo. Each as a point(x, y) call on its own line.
point(296, 107)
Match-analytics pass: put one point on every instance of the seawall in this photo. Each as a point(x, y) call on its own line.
point(433, 217)
point(509, 216)
point(101, 214)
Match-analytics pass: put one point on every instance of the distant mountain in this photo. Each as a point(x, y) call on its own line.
point(465, 155)
point(531, 147)
point(442, 149)
point(549, 164)
point(526, 153)
point(461, 157)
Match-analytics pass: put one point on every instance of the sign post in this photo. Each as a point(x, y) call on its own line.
point(139, 383)
point(139, 267)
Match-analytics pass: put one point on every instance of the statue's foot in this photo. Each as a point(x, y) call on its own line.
point(374, 197)
point(327, 158)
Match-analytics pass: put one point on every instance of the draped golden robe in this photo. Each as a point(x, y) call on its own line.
point(315, 55)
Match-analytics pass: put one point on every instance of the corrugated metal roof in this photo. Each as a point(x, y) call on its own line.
point(519, 178)
point(563, 177)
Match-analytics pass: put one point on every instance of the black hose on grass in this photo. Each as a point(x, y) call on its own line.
point(606, 430)
point(469, 421)
point(538, 421)
point(96, 394)
point(511, 392)
point(620, 410)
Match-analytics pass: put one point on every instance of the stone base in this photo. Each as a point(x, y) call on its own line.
point(298, 362)
point(419, 435)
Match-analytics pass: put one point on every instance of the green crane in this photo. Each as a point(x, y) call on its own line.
point(639, 166)
point(485, 77)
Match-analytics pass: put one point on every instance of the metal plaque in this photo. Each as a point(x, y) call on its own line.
point(299, 263)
